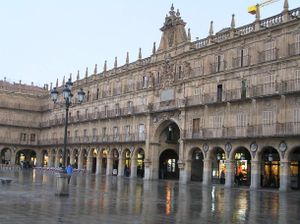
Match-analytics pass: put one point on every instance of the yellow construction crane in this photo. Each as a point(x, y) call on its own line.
point(252, 9)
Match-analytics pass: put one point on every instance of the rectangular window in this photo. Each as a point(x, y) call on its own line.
point(145, 81)
point(241, 120)
point(219, 63)
point(115, 133)
point(106, 111)
point(117, 109)
point(270, 51)
point(141, 132)
point(32, 137)
point(85, 132)
point(268, 123)
point(23, 136)
point(297, 44)
point(297, 80)
point(296, 121)
point(94, 132)
point(219, 93)
point(103, 131)
point(244, 58)
point(269, 84)
point(130, 107)
point(127, 132)
point(86, 113)
point(196, 125)
point(77, 114)
point(76, 134)
point(97, 94)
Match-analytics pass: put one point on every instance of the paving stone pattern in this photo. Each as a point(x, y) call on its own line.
point(30, 198)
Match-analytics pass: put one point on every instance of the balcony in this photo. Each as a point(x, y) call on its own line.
point(218, 67)
point(240, 62)
point(95, 139)
point(268, 55)
point(252, 131)
point(294, 49)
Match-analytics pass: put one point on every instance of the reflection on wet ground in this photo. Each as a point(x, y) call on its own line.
point(100, 199)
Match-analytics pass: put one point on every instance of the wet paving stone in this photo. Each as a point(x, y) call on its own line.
point(30, 198)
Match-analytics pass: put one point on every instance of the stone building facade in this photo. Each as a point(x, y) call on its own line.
point(224, 109)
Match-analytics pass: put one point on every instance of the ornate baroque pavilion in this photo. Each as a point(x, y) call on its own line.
point(221, 110)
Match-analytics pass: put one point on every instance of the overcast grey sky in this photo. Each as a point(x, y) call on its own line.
point(44, 40)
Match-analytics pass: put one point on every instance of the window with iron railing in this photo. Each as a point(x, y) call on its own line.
point(242, 60)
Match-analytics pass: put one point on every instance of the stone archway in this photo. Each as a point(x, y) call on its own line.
point(270, 168)
point(92, 160)
point(82, 163)
point(26, 158)
point(218, 165)
point(126, 160)
point(242, 166)
point(103, 156)
point(197, 164)
point(294, 158)
point(166, 137)
point(45, 158)
point(140, 165)
point(115, 162)
point(168, 165)
point(6, 154)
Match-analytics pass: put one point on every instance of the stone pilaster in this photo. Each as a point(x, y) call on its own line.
point(207, 172)
point(229, 176)
point(285, 179)
point(255, 174)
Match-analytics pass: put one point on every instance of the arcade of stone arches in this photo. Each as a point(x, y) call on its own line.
point(169, 157)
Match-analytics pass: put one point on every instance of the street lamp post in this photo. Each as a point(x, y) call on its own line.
point(62, 178)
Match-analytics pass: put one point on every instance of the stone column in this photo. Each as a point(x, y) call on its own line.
point(121, 167)
point(148, 172)
point(99, 165)
point(39, 159)
point(285, 175)
point(133, 168)
point(89, 163)
point(255, 174)
point(148, 151)
point(207, 172)
point(57, 157)
point(72, 158)
point(109, 167)
point(13, 157)
point(50, 160)
point(185, 172)
point(229, 175)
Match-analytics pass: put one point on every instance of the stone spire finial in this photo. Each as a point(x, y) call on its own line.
point(154, 48)
point(140, 53)
point(127, 58)
point(257, 15)
point(63, 82)
point(95, 69)
point(50, 85)
point(189, 34)
point(78, 75)
point(172, 8)
point(105, 66)
point(70, 76)
point(177, 13)
point(56, 82)
point(286, 6)
point(116, 62)
point(232, 25)
point(211, 29)
point(86, 72)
